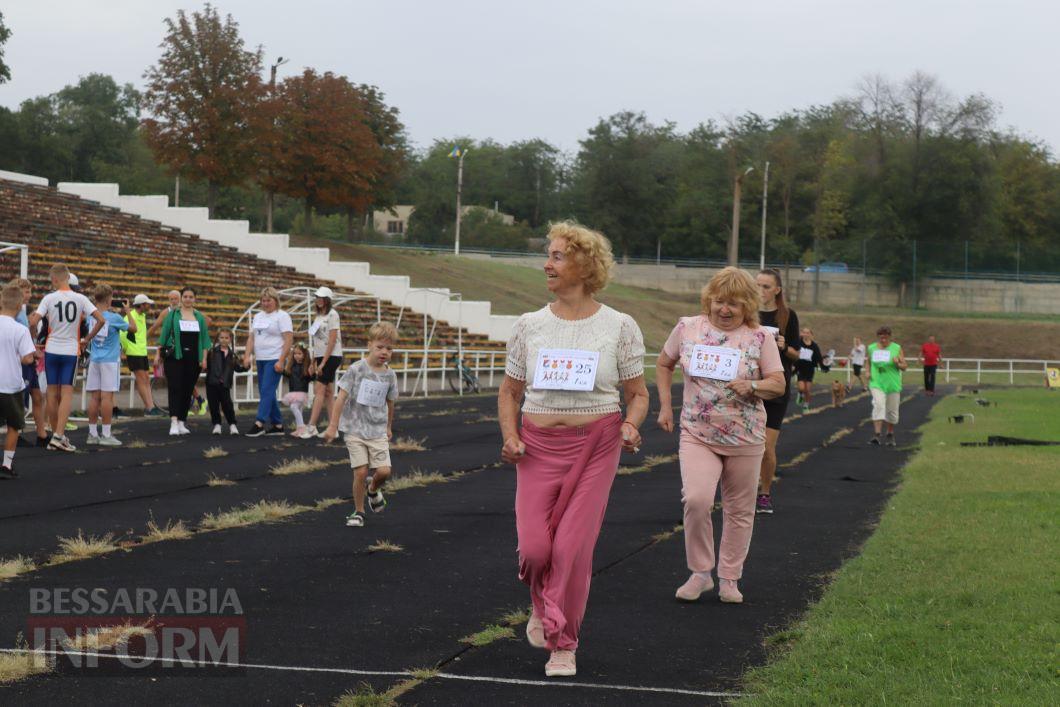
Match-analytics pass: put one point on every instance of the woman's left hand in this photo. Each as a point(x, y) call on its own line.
point(278, 367)
point(740, 387)
point(630, 438)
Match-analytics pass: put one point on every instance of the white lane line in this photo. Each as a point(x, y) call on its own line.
point(378, 673)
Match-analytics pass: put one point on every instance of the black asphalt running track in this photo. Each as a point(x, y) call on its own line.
point(315, 596)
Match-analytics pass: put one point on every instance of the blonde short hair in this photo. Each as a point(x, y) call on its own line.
point(21, 282)
point(590, 250)
point(736, 285)
point(59, 271)
point(102, 291)
point(270, 292)
point(11, 298)
point(383, 331)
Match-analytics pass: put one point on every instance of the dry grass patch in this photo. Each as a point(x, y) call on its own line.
point(516, 617)
point(408, 444)
point(107, 637)
point(365, 696)
point(136, 444)
point(385, 546)
point(323, 503)
point(416, 478)
point(23, 664)
point(488, 418)
point(214, 452)
point(667, 534)
point(172, 530)
point(837, 435)
point(260, 512)
point(81, 548)
point(651, 461)
point(15, 566)
point(214, 480)
point(302, 465)
point(488, 635)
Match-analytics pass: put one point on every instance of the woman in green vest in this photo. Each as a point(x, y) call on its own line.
point(886, 363)
point(135, 348)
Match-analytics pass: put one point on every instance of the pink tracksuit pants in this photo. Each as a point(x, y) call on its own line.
point(562, 486)
point(701, 471)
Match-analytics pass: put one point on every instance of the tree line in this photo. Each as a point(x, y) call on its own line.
point(893, 163)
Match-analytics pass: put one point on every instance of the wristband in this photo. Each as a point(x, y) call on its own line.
point(627, 422)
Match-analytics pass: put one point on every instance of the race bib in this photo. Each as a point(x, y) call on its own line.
point(189, 325)
point(372, 393)
point(314, 328)
point(566, 369)
point(101, 337)
point(715, 362)
point(881, 356)
point(773, 331)
point(805, 354)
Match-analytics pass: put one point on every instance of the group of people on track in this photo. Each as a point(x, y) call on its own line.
point(569, 368)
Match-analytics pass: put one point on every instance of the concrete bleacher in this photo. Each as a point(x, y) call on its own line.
point(104, 244)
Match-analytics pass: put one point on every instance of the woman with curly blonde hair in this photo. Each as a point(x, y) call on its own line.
point(572, 359)
point(730, 366)
point(270, 340)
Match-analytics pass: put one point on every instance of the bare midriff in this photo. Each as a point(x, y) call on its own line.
point(542, 420)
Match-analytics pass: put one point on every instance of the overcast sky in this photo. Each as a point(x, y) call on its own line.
point(551, 69)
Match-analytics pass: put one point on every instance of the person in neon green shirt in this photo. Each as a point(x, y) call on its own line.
point(886, 363)
point(135, 348)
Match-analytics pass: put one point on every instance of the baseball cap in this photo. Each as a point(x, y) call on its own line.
point(323, 292)
point(142, 299)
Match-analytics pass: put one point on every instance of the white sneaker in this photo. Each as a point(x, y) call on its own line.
point(109, 441)
point(184, 429)
point(216, 430)
point(310, 432)
point(92, 439)
point(233, 430)
point(174, 429)
point(61, 443)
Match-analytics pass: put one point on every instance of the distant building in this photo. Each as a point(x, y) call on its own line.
point(507, 219)
point(393, 222)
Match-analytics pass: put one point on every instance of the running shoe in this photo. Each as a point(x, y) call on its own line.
point(233, 430)
point(764, 504)
point(155, 412)
point(311, 431)
point(889, 441)
point(216, 430)
point(184, 428)
point(7, 472)
point(875, 441)
point(276, 431)
point(108, 441)
point(92, 439)
point(805, 407)
point(376, 501)
point(692, 589)
point(256, 430)
point(202, 407)
point(70, 427)
point(174, 429)
point(728, 591)
point(355, 520)
point(561, 664)
point(535, 631)
point(798, 398)
point(61, 443)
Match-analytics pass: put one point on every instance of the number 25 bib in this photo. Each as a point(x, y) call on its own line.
point(566, 369)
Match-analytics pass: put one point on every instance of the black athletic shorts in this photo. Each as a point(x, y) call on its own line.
point(12, 412)
point(138, 363)
point(775, 410)
point(326, 373)
point(804, 376)
point(857, 370)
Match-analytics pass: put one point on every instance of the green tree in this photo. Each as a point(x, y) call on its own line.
point(5, 34)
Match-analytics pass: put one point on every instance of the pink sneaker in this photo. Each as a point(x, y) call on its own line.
point(728, 592)
point(300, 433)
point(561, 664)
point(535, 631)
point(694, 587)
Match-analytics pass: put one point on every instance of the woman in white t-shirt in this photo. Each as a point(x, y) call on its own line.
point(271, 336)
point(857, 361)
point(325, 338)
point(571, 359)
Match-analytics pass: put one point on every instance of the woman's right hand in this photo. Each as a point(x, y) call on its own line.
point(513, 450)
point(666, 419)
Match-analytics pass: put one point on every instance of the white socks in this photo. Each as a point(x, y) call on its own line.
point(9, 458)
point(106, 430)
point(93, 429)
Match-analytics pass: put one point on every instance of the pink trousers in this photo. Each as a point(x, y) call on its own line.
point(701, 470)
point(562, 487)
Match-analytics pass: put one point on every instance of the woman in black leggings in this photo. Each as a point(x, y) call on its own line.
point(183, 344)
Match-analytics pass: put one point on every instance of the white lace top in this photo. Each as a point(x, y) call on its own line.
point(613, 334)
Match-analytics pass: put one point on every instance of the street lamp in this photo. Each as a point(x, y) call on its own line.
point(734, 237)
point(459, 153)
point(765, 200)
point(270, 197)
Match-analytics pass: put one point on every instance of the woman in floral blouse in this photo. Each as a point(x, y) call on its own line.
point(728, 371)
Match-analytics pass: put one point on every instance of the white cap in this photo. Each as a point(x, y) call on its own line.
point(142, 299)
point(324, 292)
point(74, 282)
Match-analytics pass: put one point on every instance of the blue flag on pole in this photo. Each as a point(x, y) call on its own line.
point(456, 152)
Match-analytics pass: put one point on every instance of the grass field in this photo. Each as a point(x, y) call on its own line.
point(953, 599)
point(514, 289)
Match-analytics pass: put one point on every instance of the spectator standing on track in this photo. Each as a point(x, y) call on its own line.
point(222, 363)
point(104, 365)
point(730, 366)
point(63, 310)
point(299, 372)
point(857, 361)
point(930, 355)
point(326, 343)
point(196, 404)
point(30, 374)
point(364, 412)
point(134, 344)
point(808, 361)
point(886, 363)
point(271, 337)
point(778, 319)
point(570, 358)
point(183, 344)
point(16, 350)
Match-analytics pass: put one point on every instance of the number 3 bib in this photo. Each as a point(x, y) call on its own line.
point(566, 369)
point(714, 362)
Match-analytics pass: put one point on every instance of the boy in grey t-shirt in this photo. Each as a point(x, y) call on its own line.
point(364, 412)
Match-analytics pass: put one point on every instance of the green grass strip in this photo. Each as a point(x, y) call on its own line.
point(953, 599)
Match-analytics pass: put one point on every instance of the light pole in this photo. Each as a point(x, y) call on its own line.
point(459, 153)
point(765, 200)
point(734, 237)
point(269, 196)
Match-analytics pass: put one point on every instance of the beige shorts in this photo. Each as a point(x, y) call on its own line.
point(885, 405)
point(372, 453)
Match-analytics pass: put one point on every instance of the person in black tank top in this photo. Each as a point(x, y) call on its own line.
point(784, 324)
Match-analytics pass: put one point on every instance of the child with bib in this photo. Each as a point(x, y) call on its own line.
point(364, 412)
